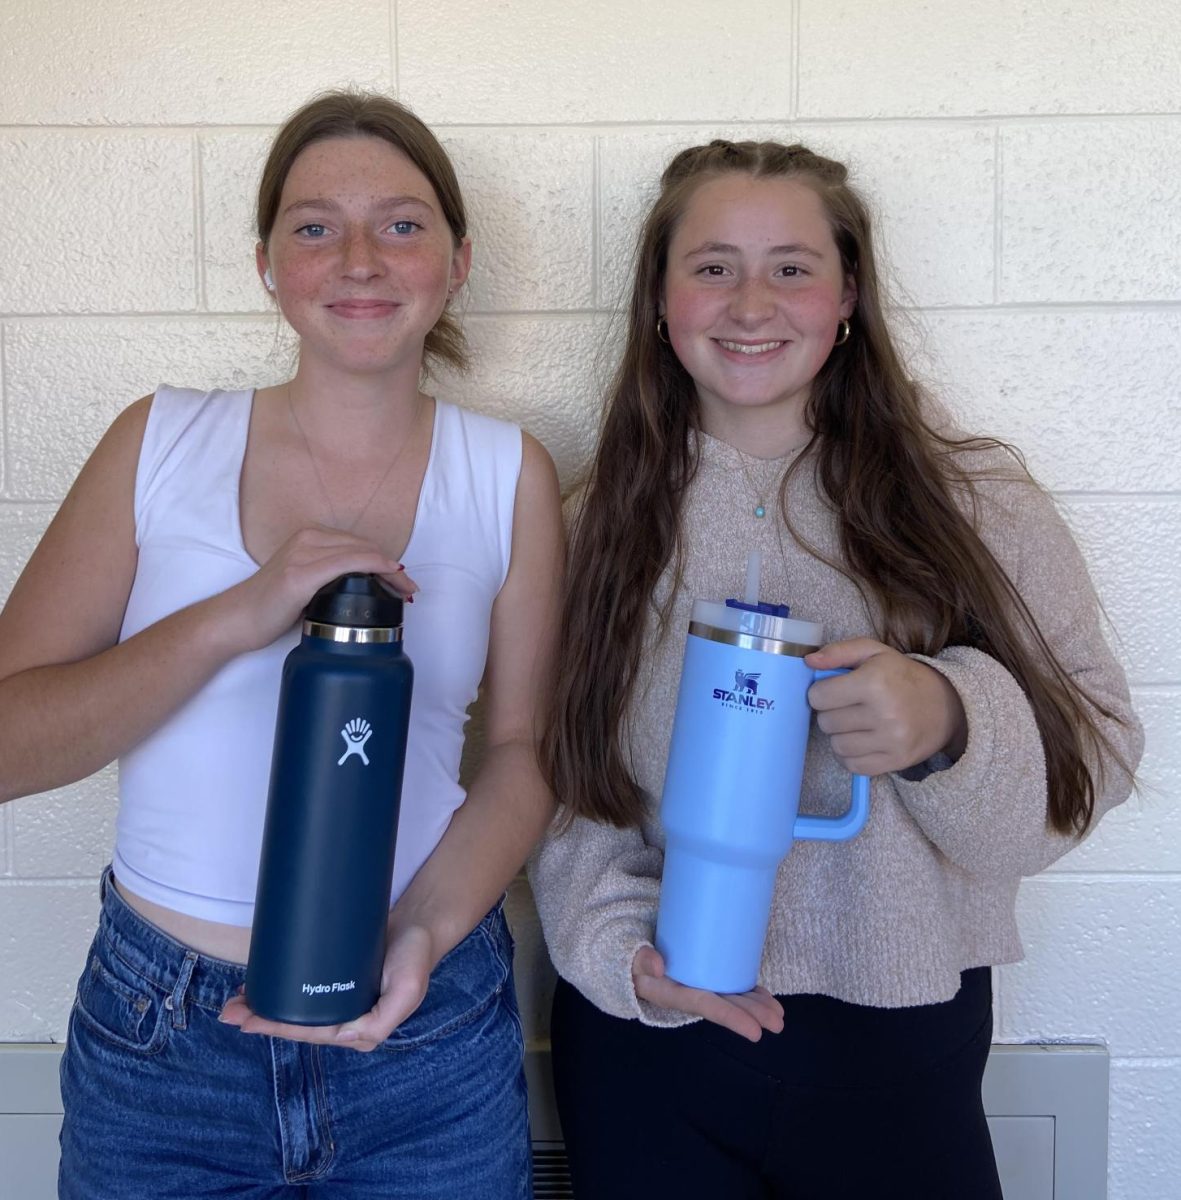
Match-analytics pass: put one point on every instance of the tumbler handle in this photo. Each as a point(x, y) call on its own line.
point(852, 821)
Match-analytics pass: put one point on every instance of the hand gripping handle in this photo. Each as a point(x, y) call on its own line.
point(852, 821)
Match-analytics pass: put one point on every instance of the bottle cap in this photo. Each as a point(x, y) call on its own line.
point(356, 601)
point(760, 606)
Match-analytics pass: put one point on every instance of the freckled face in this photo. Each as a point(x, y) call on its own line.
point(754, 291)
point(361, 254)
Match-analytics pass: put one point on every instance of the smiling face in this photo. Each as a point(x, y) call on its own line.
point(361, 255)
point(753, 293)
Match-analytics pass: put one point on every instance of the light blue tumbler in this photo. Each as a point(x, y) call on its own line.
point(732, 788)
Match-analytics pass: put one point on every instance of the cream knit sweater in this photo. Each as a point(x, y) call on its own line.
point(928, 889)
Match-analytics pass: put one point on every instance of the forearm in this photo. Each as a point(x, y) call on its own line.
point(506, 811)
point(65, 721)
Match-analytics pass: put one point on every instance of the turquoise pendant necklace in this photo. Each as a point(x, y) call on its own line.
point(759, 493)
point(762, 494)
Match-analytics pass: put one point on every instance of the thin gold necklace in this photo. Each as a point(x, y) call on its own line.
point(760, 506)
point(320, 478)
point(760, 494)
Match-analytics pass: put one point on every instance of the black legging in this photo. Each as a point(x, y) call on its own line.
point(847, 1103)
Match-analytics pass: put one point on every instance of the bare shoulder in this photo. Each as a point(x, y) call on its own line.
point(525, 614)
point(537, 516)
point(537, 467)
point(130, 423)
point(105, 487)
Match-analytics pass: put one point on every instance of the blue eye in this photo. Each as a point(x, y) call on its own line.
point(405, 226)
point(313, 230)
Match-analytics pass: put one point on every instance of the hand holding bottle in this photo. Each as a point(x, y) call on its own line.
point(744, 1013)
point(267, 605)
point(409, 960)
point(889, 713)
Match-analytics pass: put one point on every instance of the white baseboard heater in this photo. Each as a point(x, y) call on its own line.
point(1046, 1105)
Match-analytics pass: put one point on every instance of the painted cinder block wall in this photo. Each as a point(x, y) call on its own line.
point(1023, 158)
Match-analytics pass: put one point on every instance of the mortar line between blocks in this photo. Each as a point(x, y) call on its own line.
point(395, 81)
point(200, 279)
point(7, 837)
point(933, 311)
point(17, 503)
point(1076, 496)
point(795, 60)
point(5, 432)
point(596, 223)
point(688, 123)
point(998, 212)
point(48, 881)
point(246, 317)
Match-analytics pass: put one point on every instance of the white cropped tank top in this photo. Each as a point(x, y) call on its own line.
point(193, 794)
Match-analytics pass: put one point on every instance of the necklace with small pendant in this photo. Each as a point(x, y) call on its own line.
point(336, 524)
point(760, 494)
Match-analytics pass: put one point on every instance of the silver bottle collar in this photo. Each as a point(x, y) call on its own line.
point(356, 634)
point(749, 641)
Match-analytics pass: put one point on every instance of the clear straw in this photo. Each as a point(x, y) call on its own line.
point(754, 568)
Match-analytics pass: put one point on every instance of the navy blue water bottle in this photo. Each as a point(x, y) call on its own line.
point(318, 941)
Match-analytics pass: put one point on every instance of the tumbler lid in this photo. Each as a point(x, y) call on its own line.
point(757, 620)
point(357, 601)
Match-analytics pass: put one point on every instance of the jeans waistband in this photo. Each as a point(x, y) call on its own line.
point(160, 960)
point(188, 977)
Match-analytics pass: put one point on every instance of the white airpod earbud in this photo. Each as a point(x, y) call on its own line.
point(268, 280)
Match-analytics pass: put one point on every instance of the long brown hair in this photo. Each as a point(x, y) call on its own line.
point(890, 477)
point(350, 114)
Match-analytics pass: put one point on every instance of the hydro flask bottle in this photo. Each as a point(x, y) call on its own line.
point(327, 861)
point(732, 787)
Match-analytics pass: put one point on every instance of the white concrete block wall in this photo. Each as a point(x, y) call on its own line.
point(1022, 162)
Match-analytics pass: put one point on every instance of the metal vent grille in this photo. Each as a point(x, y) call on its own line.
point(551, 1172)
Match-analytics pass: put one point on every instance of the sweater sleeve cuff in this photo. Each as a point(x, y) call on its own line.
point(981, 809)
point(984, 688)
point(611, 988)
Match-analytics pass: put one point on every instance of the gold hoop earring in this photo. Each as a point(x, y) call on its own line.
point(662, 329)
point(843, 331)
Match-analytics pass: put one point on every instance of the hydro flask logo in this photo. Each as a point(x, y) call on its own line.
point(356, 733)
point(745, 694)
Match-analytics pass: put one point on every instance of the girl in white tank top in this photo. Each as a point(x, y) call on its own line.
point(199, 528)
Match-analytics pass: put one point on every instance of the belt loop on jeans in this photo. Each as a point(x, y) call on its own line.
point(176, 1002)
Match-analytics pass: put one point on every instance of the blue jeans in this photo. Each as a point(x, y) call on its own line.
point(162, 1100)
